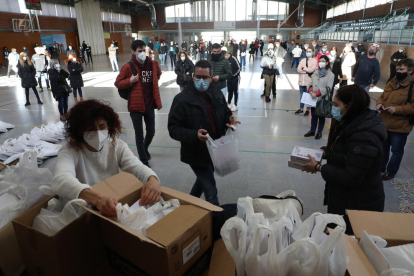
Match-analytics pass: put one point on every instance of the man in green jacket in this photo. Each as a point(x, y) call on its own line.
point(220, 67)
point(229, 47)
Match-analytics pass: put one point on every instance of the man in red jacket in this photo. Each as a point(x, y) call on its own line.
point(144, 97)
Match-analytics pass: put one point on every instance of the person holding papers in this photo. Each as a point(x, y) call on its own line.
point(353, 169)
point(306, 68)
point(94, 153)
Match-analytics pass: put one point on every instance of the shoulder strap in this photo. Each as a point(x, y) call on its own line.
point(134, 71)
point(410, 93)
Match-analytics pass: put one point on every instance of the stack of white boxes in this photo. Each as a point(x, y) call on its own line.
point(300, 156)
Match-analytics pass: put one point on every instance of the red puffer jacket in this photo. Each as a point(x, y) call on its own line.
point(136, 100)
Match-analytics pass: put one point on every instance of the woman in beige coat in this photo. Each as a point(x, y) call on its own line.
point(348, 61)
point(306, 68)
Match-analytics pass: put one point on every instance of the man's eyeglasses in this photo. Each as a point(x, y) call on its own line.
point(198, 77)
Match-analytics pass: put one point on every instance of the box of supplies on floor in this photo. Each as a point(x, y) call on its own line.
point(300, 155)
point(171, 245)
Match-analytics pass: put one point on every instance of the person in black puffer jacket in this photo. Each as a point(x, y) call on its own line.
point(75, 70)
point(336, 65)
point(27, 73)
point(58, 78)
point(354, 159)
point(184, 69)
point(233, 82)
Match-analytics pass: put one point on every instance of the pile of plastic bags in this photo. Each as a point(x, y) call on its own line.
point(58, 215)
point(140, 218)
point(287, 246)
point(5, 126)
point(19, 186)
point(39, 140)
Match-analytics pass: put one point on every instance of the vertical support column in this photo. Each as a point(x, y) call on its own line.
point(89, 19)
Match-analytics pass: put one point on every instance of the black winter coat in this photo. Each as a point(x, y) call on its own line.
point(186, 117)
point(337, 69)
point(164, 49)
point(27, 74)
point(353, 172)
point(75, 69)
point(243, 48)
point(57, 81)
point(181, 68)
point(397, 55)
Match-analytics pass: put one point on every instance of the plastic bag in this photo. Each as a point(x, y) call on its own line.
point(50, 220)
point(12, 202)
point(224, 153)
point(397, 272)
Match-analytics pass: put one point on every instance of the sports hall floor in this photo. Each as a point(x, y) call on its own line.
point(267, 134)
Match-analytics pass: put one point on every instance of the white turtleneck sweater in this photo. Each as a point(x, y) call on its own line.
point(79, 170)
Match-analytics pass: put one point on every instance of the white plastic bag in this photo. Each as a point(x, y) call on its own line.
point(12, 202)
point(50, 221)
point(397, 272)
point(258, 253)
point(224, 153)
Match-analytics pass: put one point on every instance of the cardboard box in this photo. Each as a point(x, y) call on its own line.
point(11, 261)
point(300, 155)
point(295, 165)
point(395, 228)
point(173, 244)
point(221, 263)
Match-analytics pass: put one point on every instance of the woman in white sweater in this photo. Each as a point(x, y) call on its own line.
point(93, 153)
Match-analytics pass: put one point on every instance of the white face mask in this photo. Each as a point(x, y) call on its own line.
point(142, 56)
point(182, 58)
point(322, 64)
point(70, 47)
point(333, 53)
point(96, 139)
point(74, 59)
point(24, 58)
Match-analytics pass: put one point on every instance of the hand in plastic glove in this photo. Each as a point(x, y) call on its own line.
point(150, 192)
point(233, 122)
point(310, 166)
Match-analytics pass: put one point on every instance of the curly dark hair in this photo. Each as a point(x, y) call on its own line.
point(81, 118)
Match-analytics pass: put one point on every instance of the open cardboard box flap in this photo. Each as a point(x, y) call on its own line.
point(111, 186)
point(395, 228)
point(359, 264)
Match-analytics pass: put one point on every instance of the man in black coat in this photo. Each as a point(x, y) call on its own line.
point(151, 45)
point(184, 46)
point(199, 110)
point(360, 50)
point(261, 47)
point(89, 53)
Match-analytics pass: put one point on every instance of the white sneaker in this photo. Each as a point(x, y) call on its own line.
point(230, 106)
point(234, 108)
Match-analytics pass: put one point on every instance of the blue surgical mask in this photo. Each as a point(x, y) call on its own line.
point(400, 51)
point(201, 85)
point(57, 66)
point(336, 113)
point(308, 55)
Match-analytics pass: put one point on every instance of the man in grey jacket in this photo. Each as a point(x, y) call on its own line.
point(220, 67)
point(41, 63)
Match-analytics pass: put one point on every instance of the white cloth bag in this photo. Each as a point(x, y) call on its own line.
point(224, 153)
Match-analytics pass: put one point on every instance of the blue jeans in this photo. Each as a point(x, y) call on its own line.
point(63, 105)
point(75, 89)
point(243, 60)
point(315, 120)
point(39, 78)
point(302, 89)
point(114, 64)
point(395, 142)
point(205, 183)
point(295, 62)
point(162, 57)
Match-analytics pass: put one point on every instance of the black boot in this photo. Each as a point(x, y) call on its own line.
point(37, 96)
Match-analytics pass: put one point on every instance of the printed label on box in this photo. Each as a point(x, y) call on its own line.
point(191, 250)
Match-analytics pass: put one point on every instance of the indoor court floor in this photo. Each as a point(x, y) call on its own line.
point(267, 134)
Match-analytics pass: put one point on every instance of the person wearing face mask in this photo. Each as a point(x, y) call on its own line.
point(55, 53)
point(233, 82)
point(75, 70)
point(27, 73)
point(243, 49)
point(201, 50)
point(304, 48)
point(163, 53)
point(322, 81)
point(13, 60)
point(379, 54)
point(229, 47)
point(360, 50)
point(306, 68)
point(199, 110)
point(184, 69)
point(353, 161)
point(396, 110)
point(112, 57)
point(316, 47)
point(41, 61)
point(367, 70)
point(280, 54)
point(92, 153)
point(335, 61)
point(296, 56)
point(184, 46)
point(348, 60)
point(323, 52)
point(221, 69)
point(351, 45)
point(144, 97)
point(396, 57)
point(70, 51)
point(269, 70)
point(151, 45)
point(172, 53)
point(59, 85)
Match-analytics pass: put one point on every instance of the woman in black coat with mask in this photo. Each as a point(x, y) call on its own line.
point(27, 74)
point(75, 70)
point(60, 87)
point(354, 158)
point(184, 68)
